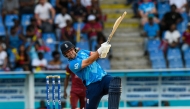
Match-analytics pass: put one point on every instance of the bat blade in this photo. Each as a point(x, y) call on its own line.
point(115, 26)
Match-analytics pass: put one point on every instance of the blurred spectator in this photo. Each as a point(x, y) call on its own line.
point(62, 4)
point(10, 7)
point(60, 21)
point(172, 36)
point(22, 58)
point(86, 3)
point(40, 63)
point(68, 33)
point(145, 8)
point(26, 6)
point(43, 16)
point(14, 40)
point(92, 28)
point(55, 64)
point(78, 10)
point(35, 47)
point(95, 10)
point(135, 6)
point(180, 4)
point(186, 38)
point(2, 43)
point(78, 26)
point(42, 105)
point(37, 30)
point(151, 29)
point(18, 26)
point(3, 59)
point(171, 17)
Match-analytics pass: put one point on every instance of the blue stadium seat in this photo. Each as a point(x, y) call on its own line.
point(187, 63)
point(173, 53)
point(181, 27)
point(104, 63)
point(49, 38)
point(153, 45)
point(83, 45)
point(48, 56)
point(156, 55)
point(158, 64)
point(187, 54)
point(176, 63)
point(9, 20)
point(53, 2)
point(162, 9)
point(2, 30)
point(1, 21)
point(25, 20)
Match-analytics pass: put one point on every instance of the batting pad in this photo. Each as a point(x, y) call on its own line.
point(114, 93)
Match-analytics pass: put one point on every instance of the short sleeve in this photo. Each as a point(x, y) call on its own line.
point(49, 6)
point(166, 36)
point(35, 62)
point(177, 34)
point(68, 71)
point(4, 54)
point(57, 19)
point(37, 10)
point(75, 65)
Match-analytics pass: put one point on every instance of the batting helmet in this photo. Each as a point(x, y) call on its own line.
point(67, 45)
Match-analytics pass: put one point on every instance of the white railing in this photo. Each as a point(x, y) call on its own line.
point(30, 84)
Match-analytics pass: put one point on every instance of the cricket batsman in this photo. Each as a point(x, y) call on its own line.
point(97, 81)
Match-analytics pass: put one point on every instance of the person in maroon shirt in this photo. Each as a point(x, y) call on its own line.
point(91, 28)
point(78, 90)
point(186, 38)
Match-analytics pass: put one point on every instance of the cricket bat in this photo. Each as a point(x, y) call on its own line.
point(115, 26)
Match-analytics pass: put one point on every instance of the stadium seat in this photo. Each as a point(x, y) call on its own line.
point(53, 2)
point(176, 63)
point(181, 27)
point(156, 55)
point(49, 40)
point(153, 45)
point(9, 20)
point(104, 63)
point(48, 56)
point(187, 63)
point(2, 30)
point(187, 54)
point(83, 45)
point(173, 53)
point(1, 21)
point(25, 20)
point(158, 64)
point(162, 9)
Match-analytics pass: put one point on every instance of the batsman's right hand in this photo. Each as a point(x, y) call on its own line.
point(105, 49)
point(65, 95)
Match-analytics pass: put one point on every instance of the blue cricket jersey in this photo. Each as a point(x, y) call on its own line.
point(90, 74)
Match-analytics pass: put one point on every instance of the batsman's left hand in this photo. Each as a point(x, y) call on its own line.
point(105, 49)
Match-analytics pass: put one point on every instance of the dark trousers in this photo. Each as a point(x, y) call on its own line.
point(95, 91)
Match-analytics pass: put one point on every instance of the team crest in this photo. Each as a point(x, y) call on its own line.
point(66, 45)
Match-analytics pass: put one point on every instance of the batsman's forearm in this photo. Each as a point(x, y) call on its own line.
point(93, 57)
